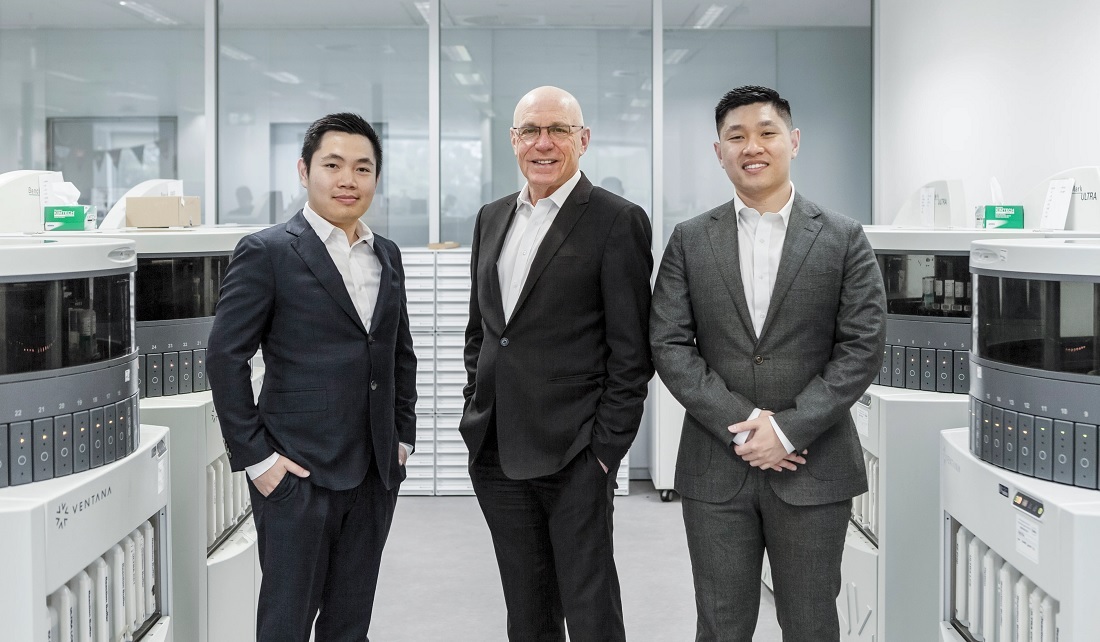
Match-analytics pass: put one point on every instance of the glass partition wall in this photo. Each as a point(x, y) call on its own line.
point(816, 55)
point(282, 68)
point(491, 54)
point(108, 93)
point(112, 93)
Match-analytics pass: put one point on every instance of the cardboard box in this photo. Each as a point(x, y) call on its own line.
point(1006, 216)
point(163, 211)
point(69, 217)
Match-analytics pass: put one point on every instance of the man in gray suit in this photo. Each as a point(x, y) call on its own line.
point(767, 324)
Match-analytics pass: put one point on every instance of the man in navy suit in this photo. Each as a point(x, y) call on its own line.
point(325, 446)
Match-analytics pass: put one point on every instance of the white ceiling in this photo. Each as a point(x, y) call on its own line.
point(735, 14)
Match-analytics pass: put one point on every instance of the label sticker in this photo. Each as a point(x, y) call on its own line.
point(1027, 538)
point(863, 421)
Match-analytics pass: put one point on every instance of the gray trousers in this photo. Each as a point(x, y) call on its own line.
point(805, 544)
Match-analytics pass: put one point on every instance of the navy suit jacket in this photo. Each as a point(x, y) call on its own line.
point(334, 392)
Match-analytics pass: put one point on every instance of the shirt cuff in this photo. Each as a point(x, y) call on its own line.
point(408, 448)
point(255, 470)
point(782, 437)
point(741, 437)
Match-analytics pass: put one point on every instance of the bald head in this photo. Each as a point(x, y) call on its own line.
point(554, 138)
point(548, 97)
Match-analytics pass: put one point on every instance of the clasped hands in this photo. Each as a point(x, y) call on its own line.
point(763, 449)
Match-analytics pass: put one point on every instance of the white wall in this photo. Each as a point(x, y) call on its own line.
point(978, 88)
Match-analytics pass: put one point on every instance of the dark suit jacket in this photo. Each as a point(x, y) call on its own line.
point(571, 368)
point(819, 348)
point(332, 392)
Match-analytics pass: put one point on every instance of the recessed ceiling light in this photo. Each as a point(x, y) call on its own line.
point(675, 56)
point(631, 118)
point(283, 77)
point(131, 94)
point(468, 80)
point(64, 76)
point(320, 95)
point(479, 98)
point(147, 12)
point(710, 16)
point(336, 46)
point(423, 8)
point(456, 53)
point(235, 54)
point(639, 103)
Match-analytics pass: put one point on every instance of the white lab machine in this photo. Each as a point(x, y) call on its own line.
point(1083, 212)
point(21, 193)
point(179, 275)
point(889, 568)
point(1036, 357)
point(68, 423)
point(87, 555)
point(68, 368)
point(211, 506)
point(940, 204)
point(1019, 559)
point(178, 281)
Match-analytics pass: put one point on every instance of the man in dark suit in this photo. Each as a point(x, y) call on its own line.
point(767, 325)
point(558, 366)
point(326, 445)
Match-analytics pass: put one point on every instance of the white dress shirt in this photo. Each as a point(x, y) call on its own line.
point(760, 247)
point(361, 271)
point(526, 233)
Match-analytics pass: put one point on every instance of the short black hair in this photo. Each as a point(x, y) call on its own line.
point(343, 122)
point(750, 95)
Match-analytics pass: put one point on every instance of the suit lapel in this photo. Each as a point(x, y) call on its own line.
point(492, 244)
point(723, 244)
point(385, 278)
point(313, 252)
point(566, 218)
point(802, 230)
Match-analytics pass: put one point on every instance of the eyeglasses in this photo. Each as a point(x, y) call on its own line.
point(529, 133)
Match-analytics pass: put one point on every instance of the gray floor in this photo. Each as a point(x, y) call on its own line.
point(439, 578)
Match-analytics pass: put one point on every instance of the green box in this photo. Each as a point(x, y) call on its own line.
point(1006, 216)
point(69, 218)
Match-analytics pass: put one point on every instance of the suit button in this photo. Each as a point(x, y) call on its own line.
point(374, 385)
point(758, 359)
point(504, 343)
point(370, 339)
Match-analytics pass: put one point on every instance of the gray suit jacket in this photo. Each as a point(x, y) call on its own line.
point(817, 352)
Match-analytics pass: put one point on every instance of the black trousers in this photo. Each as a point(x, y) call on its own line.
point(320, 549)
point(553, 542)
